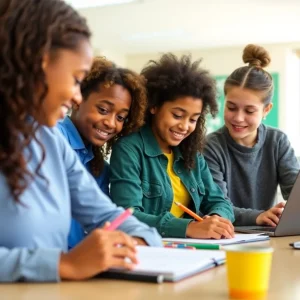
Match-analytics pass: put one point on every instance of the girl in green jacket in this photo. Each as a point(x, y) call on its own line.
point(162, 163)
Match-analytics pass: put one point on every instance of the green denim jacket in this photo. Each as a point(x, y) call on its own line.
point(139, 179)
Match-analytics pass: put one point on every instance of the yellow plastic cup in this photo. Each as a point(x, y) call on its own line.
point(248, 271)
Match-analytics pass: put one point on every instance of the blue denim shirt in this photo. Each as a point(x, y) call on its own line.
point(85, 155)
point(34, 234)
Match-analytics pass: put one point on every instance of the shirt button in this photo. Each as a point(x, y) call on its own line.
point(149, 193)
point(192, 190)
point(84, 152)
point(163, 233)
point(179, 171)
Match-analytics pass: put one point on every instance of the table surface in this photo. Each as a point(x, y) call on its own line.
point(212, 284)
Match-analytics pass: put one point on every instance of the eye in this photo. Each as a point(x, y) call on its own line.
point(250, 112)
point(121, 118)
point(77, 81)
point(102, 110)
point(193, 121)
point(177, 116)
point(231, 108)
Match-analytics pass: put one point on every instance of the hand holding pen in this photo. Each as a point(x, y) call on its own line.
point(209, 227)
point(98, 252)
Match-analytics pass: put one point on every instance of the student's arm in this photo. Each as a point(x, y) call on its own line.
point(126, 191)
point(92, 208)
point(21, 264)
point(243, 216)
point(288, 166)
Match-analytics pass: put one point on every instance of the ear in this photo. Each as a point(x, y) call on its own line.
point(45, 61)
point(153, 110)
point(267, 109)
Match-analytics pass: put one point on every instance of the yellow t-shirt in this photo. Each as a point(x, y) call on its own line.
point(180, 193)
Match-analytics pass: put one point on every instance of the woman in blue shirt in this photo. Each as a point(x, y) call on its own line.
point(45, 55)
point(114, 103)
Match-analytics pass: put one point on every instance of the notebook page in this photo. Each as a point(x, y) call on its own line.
point(174, 262)
point(239, 237)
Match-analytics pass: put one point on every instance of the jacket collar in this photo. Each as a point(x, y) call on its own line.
point(151, 146)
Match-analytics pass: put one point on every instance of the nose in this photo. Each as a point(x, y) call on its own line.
point(110, 122)
point(77, 97)
point(238, 116)
point(184, 125)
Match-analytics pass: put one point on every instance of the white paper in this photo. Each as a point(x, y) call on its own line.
point(239, 237)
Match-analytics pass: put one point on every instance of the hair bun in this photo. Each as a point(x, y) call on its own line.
point(256, 56)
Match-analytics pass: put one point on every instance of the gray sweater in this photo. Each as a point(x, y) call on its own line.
point(249, 176)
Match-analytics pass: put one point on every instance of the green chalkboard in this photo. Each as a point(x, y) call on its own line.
point(271, 120)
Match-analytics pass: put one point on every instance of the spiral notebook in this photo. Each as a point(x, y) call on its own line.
point(167, 264)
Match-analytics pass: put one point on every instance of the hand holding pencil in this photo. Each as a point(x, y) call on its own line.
point(211, 227)
point(98, 252)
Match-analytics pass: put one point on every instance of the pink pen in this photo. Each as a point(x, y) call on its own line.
point(120, 219)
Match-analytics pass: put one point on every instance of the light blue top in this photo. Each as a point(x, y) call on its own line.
point(33, 235)
point(85, 154)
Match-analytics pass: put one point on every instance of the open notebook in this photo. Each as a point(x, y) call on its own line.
point(238, 239)
point(169, 264)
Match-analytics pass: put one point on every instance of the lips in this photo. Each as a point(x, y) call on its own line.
point(177, 135)
point(238, 128)
point(102, 134)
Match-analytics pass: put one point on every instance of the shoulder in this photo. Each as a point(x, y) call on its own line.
point(62, 126)
point(133, 140)
point(216, 138)
point(215, 142)
point(275, 135)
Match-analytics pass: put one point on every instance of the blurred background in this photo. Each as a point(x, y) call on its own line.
point(131, 32)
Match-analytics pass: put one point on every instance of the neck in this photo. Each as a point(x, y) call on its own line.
point(249, 141)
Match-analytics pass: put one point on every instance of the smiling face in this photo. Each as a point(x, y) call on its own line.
point(243, 113)
point(64, 72)
point(175, 120)
point(102, 115)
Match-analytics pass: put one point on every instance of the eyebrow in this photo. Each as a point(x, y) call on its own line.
point(184, 111)
point(247, 106)
point(111, 104)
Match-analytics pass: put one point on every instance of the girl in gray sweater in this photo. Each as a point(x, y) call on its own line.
point(248, 159)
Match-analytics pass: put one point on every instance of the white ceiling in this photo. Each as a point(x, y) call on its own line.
point(169, 25)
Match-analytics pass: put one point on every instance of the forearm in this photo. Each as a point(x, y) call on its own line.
point(37, 265)
point(245, 216)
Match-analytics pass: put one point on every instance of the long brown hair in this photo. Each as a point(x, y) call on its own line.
point(28, 30)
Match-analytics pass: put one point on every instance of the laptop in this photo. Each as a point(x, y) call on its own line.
point(289, 223)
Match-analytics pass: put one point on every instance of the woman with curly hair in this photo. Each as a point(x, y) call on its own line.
point(45, 54)
point(114, 103)
point(247, 159)
point(162, 163)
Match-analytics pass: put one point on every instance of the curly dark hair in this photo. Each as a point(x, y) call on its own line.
point(170, 78)
point(107, 73)
point(28, 30)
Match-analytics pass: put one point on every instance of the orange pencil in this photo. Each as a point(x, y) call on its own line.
point(188, 211)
